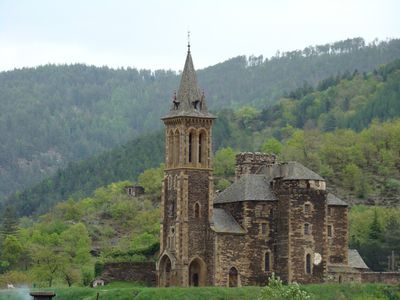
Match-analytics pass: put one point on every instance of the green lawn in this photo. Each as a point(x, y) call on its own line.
point(122, 291)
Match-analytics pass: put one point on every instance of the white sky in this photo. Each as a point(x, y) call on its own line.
point(153, 34)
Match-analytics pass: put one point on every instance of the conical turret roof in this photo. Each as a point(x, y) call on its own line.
point(189, 101)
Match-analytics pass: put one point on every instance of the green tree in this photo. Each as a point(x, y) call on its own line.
point(272, 145)
point(11, 251)
point(224, 162)
point(151, 180)
point(375, 229)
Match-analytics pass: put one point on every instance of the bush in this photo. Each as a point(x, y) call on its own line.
point(277, 290)
point(17, 278)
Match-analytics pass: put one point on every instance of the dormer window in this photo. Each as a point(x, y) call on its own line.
point(196, 104)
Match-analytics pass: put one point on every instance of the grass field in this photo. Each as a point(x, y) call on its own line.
point(123, 291)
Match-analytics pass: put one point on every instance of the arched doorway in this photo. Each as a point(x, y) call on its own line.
point(197, 272)
point(233, 277)
point(165, 272)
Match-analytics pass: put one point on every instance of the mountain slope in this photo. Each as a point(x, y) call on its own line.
point(375, 154)
point(53, 115)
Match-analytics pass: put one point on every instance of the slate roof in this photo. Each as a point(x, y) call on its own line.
point(292, 170)
point(333, 200)
point(355, 260)
point(225, 223)
point(251, 187)
point(188, 93)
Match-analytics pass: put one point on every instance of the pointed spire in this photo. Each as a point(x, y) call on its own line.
point(190, 100)
point(188, 92)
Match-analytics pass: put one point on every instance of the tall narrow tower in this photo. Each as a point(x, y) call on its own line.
point(186, 202)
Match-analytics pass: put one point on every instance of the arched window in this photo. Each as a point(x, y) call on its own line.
point(308, 264)
point(202, 147)
point(267, 261)
point(197, 210)
point(176, 147)
point(170, 148)
point(190, 147)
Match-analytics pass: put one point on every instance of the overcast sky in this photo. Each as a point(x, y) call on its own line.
point(153, 34)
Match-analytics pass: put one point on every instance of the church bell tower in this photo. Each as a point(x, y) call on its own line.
point(186, 199)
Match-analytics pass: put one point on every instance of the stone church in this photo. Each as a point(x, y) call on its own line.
point(276, 216)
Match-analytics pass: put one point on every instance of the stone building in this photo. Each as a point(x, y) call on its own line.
point(276, 217)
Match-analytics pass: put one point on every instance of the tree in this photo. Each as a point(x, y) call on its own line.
point(11, 250)
point(151, 180)
point(9, 224)
point(375, 230)
point(224, 162)
point(272, 145)
point(76, 244)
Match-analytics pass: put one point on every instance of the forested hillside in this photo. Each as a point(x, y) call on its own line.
point(320, 127)
point(53, 115)
point(70, 244)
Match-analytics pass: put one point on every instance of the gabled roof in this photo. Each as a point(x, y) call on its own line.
point(225, 223)
point(333, 200)
point(188, 94)
point(251, 187)
point(355, 260)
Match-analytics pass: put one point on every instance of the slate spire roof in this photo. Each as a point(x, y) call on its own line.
point(190, 100)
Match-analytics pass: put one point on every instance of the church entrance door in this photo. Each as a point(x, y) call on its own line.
point(233, 277)
point(197, 273)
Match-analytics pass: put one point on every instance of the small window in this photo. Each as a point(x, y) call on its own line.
point(307, 208)
point(271, 213)
point(308, 264)
point(197, 210)
point(267, 262)
point(263, 228)
point(329, 211)
point(306, 229)
point(330, 231)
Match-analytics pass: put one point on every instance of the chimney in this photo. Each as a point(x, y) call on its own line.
point(252, 162)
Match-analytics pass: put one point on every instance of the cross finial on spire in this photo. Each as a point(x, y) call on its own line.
point(188, 36)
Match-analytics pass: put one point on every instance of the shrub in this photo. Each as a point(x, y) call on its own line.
point(277, 290)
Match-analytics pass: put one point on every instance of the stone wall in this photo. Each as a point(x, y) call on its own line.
point(338, 242)
point(247, 252)
point(381, 277)
point(250, 162)
point(141, 272)
point(200, 241)
point(294, 243)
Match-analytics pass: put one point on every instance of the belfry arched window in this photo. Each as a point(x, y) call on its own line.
point(170, 148)
point(202, 148)
point(190, 150)
point(177, 147)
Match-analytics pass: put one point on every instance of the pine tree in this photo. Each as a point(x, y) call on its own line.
point(9, 224)
point(375, 230)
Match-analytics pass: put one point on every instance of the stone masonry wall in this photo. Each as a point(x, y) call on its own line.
point(381, 277)
point(250, 162)
point(201, 243)
point(294, 197)
point(247, 252)
point(338, 243)
point(141, 272)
